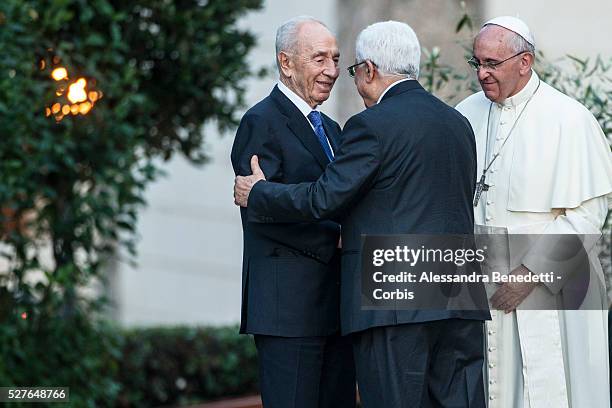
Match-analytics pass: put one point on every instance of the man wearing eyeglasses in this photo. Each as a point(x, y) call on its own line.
point(291, 271)
point(406, 165)
point(544, 167)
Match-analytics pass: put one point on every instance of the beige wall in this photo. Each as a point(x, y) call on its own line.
point(581, 28)
point(434, 22)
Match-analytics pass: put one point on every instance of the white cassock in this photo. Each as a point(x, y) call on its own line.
point(553, 176)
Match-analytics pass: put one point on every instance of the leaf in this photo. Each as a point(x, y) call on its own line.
point(95, 40)
point(582, 63)
point(465, 21)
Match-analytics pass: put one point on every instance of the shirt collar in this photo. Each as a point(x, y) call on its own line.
point(296, 99)
point(389, 87)
point(524, 94)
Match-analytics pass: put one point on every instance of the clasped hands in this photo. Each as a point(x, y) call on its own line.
point(244, 184)
point(512, 294)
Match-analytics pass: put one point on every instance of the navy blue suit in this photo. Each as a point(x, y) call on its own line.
point(405, 166)
point(291, 271)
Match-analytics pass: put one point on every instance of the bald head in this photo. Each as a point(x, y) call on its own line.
point(495, 44)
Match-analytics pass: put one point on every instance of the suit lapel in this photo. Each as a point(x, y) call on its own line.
point(300, 127)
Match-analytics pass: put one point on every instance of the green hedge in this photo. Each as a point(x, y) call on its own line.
point(174, 366)
point(62, 352)
point(105, 366)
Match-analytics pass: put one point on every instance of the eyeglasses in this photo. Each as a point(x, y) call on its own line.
point(351, 69)
point(475, 64)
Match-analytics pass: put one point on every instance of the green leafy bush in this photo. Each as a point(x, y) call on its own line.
point(174, 366)
point(105, 366)
point(71, 352)
point(71, 185)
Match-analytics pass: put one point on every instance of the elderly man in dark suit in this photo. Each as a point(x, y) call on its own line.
point(406, 165)
point(291, 272)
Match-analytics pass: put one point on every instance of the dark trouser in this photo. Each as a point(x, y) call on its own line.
point(306, 372)
point(421, 365)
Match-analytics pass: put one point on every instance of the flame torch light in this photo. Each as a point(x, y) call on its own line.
point(76, 91)
point(81, 100)
point(59, 73)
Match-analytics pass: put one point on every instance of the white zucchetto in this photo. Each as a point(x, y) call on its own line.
point(513, 24)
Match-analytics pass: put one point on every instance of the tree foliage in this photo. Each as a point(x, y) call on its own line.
point(70, 189)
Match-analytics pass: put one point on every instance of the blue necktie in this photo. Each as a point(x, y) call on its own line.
point(315, 118)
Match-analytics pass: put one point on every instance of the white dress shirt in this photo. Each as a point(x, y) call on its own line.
point(302, 107)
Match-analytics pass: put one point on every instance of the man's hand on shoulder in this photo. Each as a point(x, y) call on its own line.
point(244, 184)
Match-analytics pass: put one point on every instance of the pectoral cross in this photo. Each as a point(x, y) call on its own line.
point(480, 187)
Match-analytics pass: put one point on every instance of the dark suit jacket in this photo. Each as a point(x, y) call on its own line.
point(405, 166)
point(290, 272)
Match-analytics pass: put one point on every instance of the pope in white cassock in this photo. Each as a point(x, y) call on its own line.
point(547, 170)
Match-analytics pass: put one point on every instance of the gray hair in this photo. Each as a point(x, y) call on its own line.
point(516, 42)
point(392, 46)
point(286, 35)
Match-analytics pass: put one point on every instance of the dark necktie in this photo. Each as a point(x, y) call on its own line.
point(315, 118)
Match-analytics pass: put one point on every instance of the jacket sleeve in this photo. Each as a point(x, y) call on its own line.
point(317, 240)
point(353, 172)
